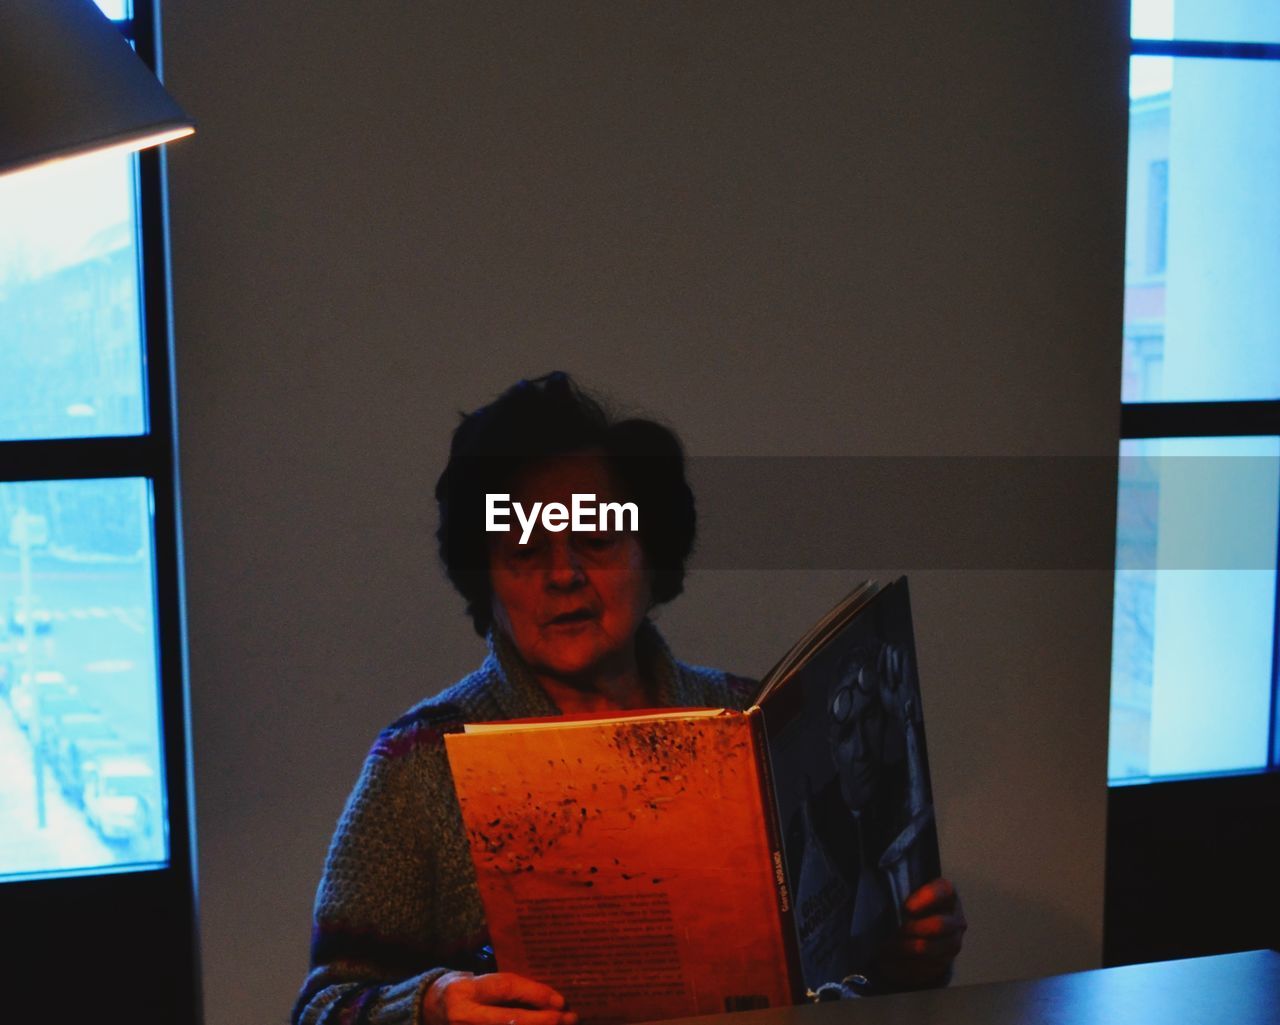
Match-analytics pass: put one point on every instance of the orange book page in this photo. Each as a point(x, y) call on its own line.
point(626, 864)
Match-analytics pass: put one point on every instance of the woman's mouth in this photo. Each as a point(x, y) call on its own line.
point(572, 617)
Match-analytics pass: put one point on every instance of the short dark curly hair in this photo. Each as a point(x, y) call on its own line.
point(547, 416)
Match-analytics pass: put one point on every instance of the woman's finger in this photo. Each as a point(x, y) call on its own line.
point(938, 895)
point(928, 948)
point(509, 988)
point(933, 925)
point(493, 1014)
point(496, 999)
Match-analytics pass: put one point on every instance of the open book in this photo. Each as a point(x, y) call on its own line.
point(679, 862)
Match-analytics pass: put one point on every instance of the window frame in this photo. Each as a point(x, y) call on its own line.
point(1166, 834)
point(1208, 419)
point(128, 935)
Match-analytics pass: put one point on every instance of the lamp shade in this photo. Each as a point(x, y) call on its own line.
point(70, 84)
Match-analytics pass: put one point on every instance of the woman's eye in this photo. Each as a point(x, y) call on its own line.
point(521, 555)
point(598, 542)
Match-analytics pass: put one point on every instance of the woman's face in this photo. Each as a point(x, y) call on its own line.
point(571, 602)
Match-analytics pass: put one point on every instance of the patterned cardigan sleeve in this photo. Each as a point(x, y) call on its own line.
point(371, 963)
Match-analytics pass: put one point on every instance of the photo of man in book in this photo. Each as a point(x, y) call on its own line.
point(871, 825)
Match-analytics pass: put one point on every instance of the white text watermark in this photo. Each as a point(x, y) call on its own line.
point(583, 513)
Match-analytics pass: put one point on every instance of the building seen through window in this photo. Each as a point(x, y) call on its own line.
point(70, 335)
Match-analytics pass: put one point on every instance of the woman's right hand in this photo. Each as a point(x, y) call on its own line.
point(500, 998)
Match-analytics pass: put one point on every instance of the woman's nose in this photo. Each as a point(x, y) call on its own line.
point(564, 568)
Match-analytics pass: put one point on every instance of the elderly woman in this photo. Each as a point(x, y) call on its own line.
point(399, 932)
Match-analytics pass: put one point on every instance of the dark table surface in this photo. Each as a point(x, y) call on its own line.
point(1230, 989)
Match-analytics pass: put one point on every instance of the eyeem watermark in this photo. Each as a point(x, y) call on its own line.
point(584, 513)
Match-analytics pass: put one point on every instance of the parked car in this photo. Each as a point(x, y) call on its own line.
point(32, 690)
point(78, 759)
point(121, 797)
point(11, 655)
point(41, 618)
point(58, 705)
point(66, 738)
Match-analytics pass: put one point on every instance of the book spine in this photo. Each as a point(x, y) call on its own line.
point(785, 903)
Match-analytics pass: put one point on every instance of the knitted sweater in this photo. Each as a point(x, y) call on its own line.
point(398, 905)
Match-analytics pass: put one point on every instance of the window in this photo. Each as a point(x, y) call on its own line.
point(1194, 652)
point(94, 804)
point(80, 725)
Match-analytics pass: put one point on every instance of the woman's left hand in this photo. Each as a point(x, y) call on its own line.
point(920, 954)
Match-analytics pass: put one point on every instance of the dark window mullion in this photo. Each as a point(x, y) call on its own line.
point(84, 458)
point(1199, 419)
point(1204, 48)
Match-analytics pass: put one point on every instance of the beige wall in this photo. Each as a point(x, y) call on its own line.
point(789, 229)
